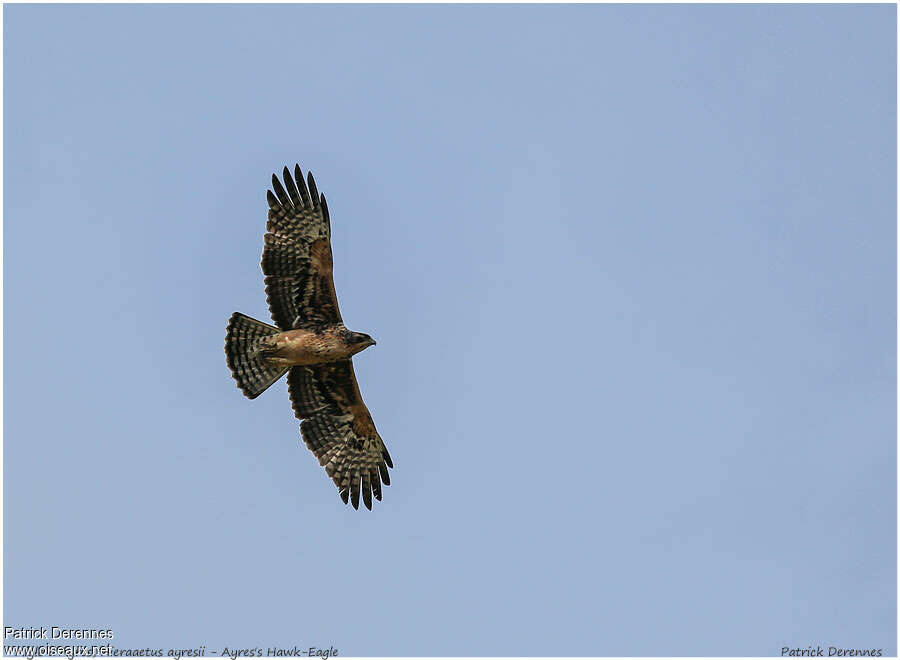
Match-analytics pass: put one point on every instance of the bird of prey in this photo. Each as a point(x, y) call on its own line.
point(310, 343)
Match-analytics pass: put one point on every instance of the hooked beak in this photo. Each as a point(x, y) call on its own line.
point(363, 340)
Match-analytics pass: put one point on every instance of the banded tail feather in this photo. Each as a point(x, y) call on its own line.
point(252, 374)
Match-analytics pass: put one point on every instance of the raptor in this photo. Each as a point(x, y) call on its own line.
point(309, 343)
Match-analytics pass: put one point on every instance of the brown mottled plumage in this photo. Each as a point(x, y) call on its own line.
point(310, 343)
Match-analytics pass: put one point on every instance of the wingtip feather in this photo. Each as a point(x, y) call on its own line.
point(301, 184)
point(291, 188)
point(313, 191)
point(354, 493)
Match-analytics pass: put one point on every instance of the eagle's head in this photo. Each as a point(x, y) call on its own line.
point(358, 341)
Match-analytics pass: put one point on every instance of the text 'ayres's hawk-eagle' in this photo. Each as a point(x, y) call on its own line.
point(310, 343)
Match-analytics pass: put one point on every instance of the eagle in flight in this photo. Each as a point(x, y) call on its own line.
point(310, 343)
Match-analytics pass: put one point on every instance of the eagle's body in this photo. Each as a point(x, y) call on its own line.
point(310, 343)
point(303, 347)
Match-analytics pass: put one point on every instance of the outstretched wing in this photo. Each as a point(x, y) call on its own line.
point(297, 255)
point(338, 429)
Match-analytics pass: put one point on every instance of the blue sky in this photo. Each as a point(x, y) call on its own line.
point(631, 270)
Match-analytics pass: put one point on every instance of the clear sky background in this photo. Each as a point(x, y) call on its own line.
point(631, 270)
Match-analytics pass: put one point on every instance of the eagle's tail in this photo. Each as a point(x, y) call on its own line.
point(252, 373)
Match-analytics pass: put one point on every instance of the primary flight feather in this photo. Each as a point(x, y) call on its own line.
point(310, 343)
